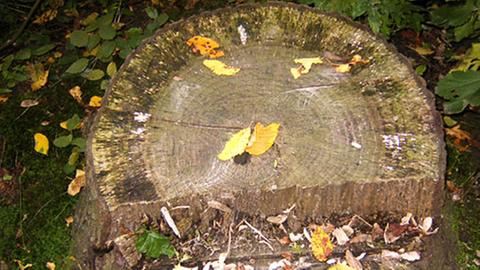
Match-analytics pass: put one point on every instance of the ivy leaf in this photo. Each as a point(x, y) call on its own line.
point(154, 245)
point(79, 38)
point(63, 141)
point(459, 89)
point(77, 66)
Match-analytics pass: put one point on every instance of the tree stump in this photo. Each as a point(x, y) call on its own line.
point(362, 142)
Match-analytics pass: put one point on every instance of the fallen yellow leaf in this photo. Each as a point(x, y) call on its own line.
point(236, 144)
point(40, 81)
point(340, 266)
point(343, 68)
point(41, 143)
point(77, 183)
point(322, 247)
point(95, 101)
point(3, 99)
point(220, 68)
point(262, 138)
point(424, 50)
point(69, 220)
point(76, 93)
point(50, 266)
point(205, 46)
point(357, 59)
point(306, 65)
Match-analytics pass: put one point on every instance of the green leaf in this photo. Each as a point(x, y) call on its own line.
point(154, 245)
point(151, 12)
point(104, 84)
point(73, 122)
point(63, 141)
point(93, 75)
point(421, 69)
point(111, 69)
point(459, 89)
point(452, 15)
point(77, 66)
point(105, 19)
point(449, 122)
point(465, 30)
point(107, 32)
point(43, 49)
point(106, 49)
point(23, 54)
point(7, 177)
point(93, 41)
point(80, 142)
point(5, 90)
point(73, 158)
point(69, 169)
point(79, 38)
point(7, 61)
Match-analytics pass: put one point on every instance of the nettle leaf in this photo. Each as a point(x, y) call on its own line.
point(459, 89)
point(77, 66)
point(154, 245)
point(79, 38)
point(63, 141)
point(93, 75)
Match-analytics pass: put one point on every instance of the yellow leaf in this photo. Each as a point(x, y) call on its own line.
point(77, 183)
point(3, 99)
point(50, 266)
point(205, 46)
point(63, 125)
point(95, 101)
point(38, 75)
point(21, 266)
point(322, 247)
point(69, 220)
point(424, 50)
point(306, 65)
point(41, 143)
point(236, 144)
point(343, 68)
point(340, 266)
point(357, 59)
point(57, 54)
point(220, 68)
point(111, 69)
point(76, 93)
point(262, 138)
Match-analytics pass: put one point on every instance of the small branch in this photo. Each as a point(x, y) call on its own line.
point(195, 125)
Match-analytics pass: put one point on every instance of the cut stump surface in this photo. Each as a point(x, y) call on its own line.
point(364, 141)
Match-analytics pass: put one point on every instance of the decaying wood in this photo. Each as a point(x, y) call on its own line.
point(359, 142)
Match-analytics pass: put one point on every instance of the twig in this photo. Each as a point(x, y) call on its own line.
point(256, 231)
point(22, 27)
point(186, 124)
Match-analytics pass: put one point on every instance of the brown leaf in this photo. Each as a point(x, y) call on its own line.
point(27, 103)
point(461, 138)
point(69, 220)
point(361, 238)
point(287, 255)
point(393, 232)
point(377, 231)
point(285, 240)
point(50, 266)
point(77, 183)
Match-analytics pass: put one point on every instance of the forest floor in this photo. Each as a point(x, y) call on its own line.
point(35, 207)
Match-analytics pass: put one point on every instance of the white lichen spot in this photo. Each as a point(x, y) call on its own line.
point(356, 145)
point(243, 34)
point(141, 117)
point(138, 131)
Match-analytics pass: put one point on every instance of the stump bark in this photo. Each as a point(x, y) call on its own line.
point(361, 142)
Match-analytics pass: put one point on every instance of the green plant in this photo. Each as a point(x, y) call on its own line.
point(154, 244)
point(461, 17)
point(78, 143)
point(383, 16)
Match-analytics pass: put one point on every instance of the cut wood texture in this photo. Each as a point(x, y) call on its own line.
point(364, 141)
